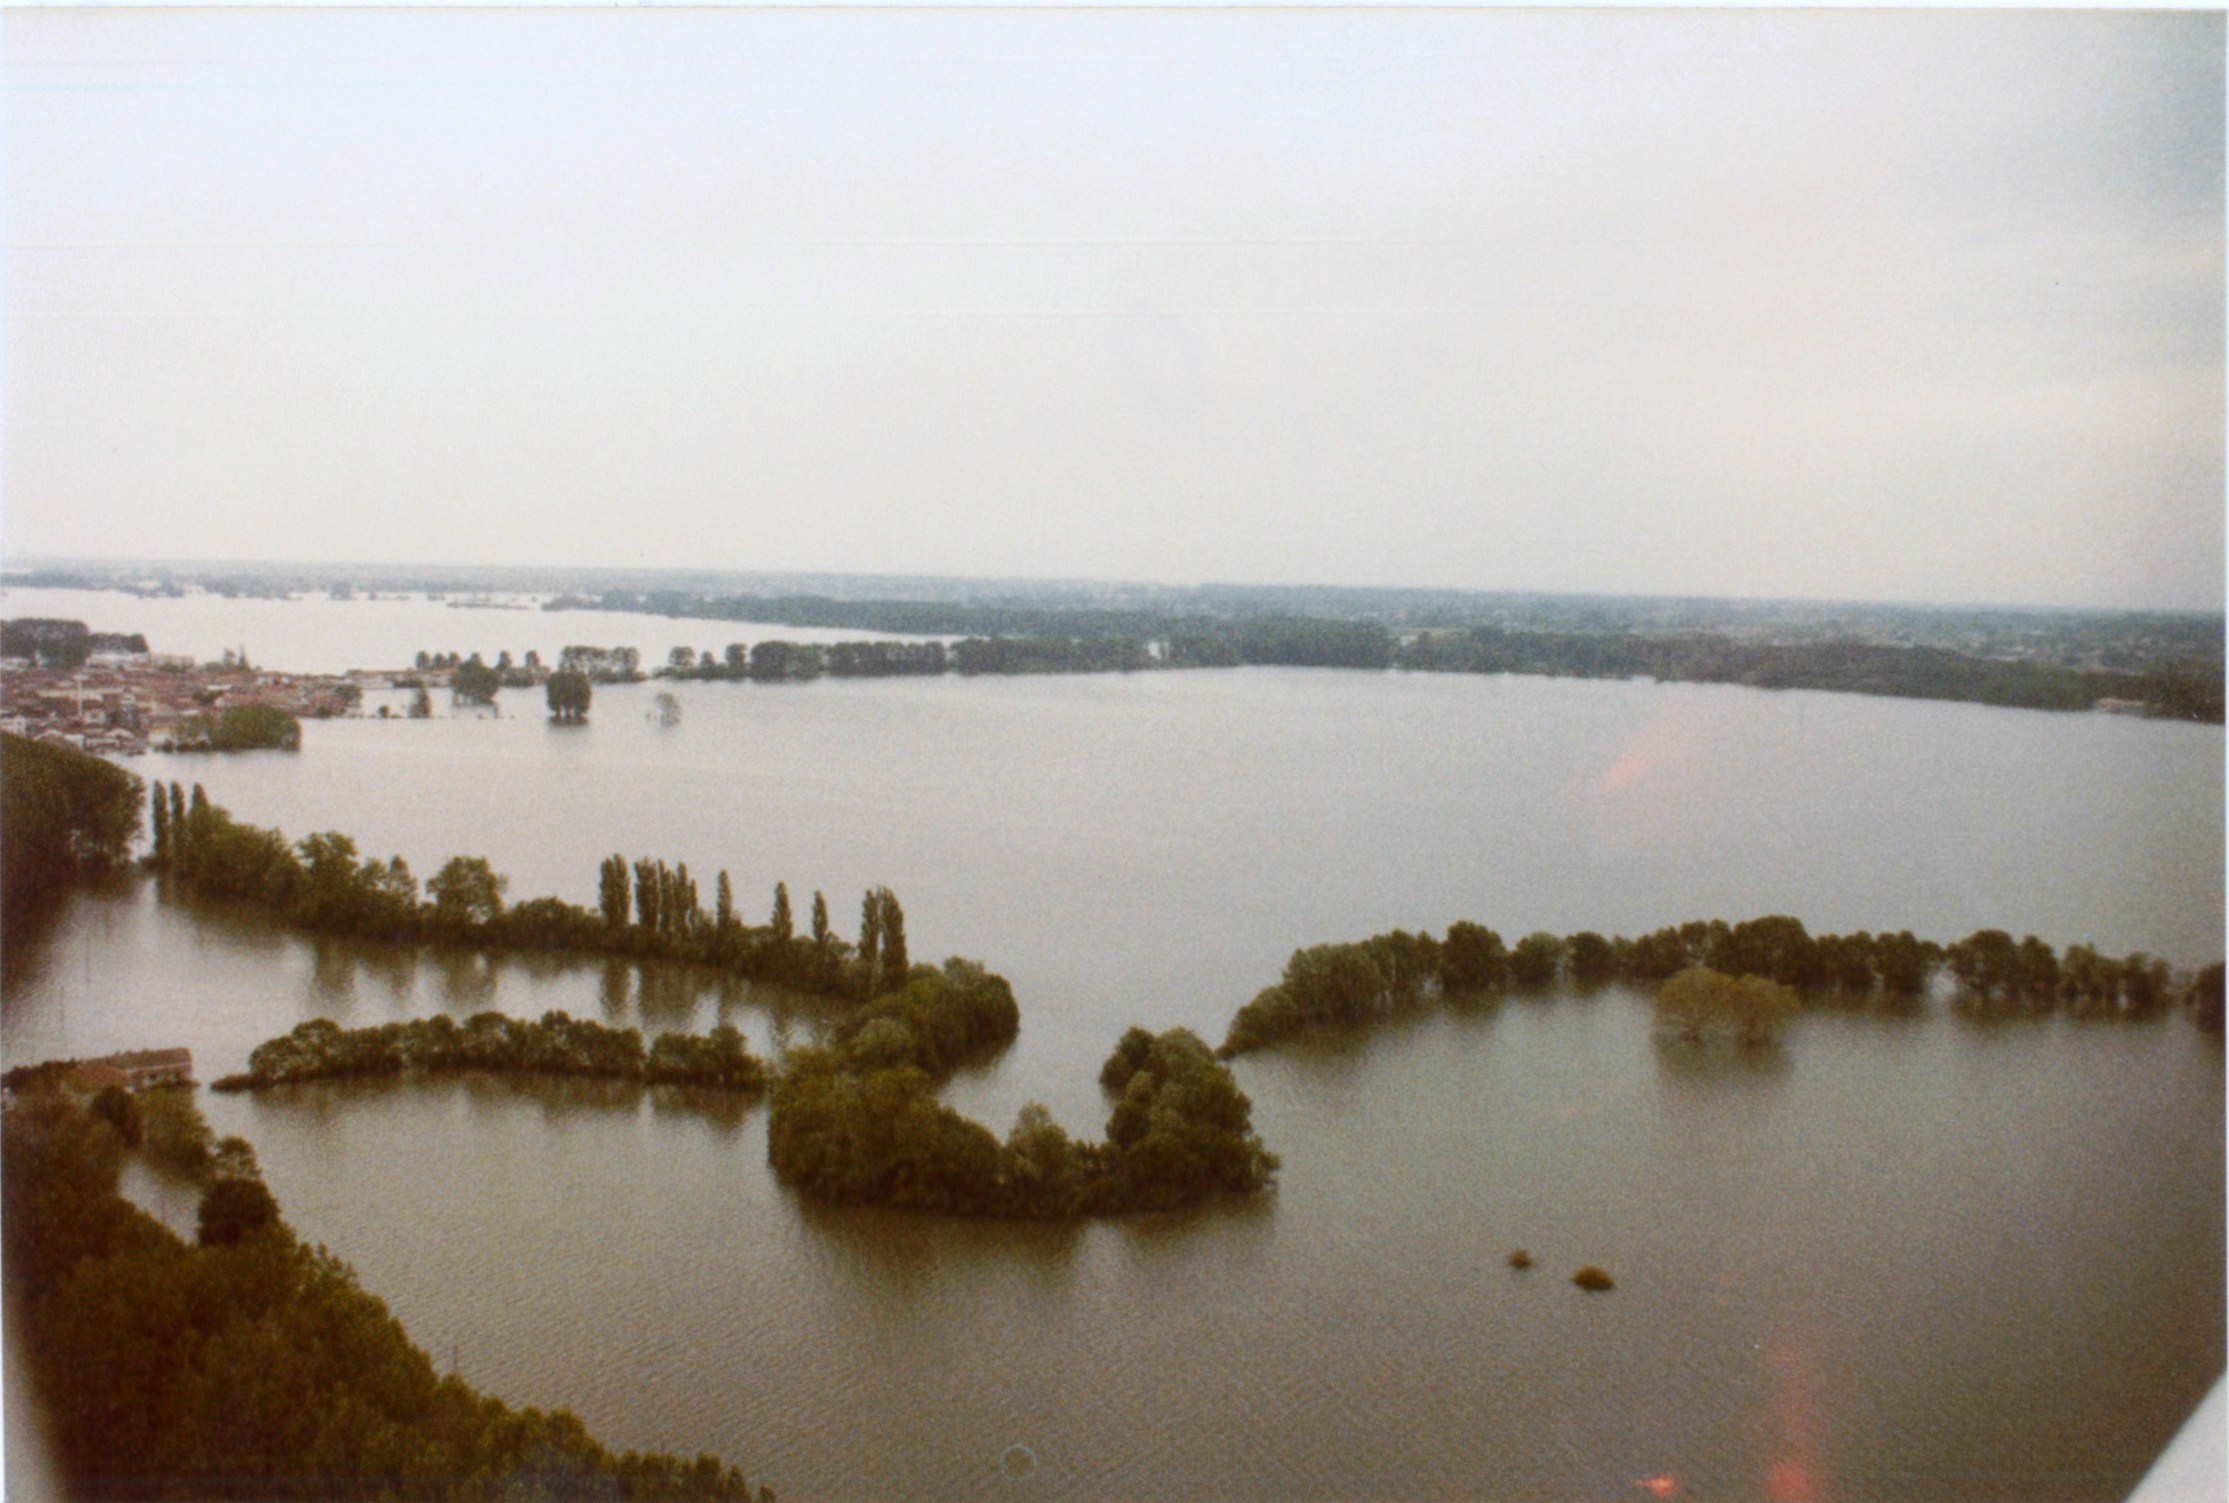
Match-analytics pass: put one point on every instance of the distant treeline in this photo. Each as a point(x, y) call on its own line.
point(493, 1044)
point(918, 618)
point(47, 642)
point(602, 665)
point(1993, 974)
point(907, 604)
point(1849, 667)
point(646, 910)
point(1027, 639)
point(64, 816)
point(779, 662)
point(247, 1365)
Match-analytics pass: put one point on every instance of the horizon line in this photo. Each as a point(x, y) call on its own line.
point(32, 562)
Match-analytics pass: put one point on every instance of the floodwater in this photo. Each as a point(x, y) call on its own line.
point(321, 635)
point(1895, 1258)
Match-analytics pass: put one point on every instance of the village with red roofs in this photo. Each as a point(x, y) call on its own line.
point(108, 693)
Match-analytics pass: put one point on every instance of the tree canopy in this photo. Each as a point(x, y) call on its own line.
point(860, 1122)
point(488, 1042)
point(466, 893)
point(474, 682)
point(64, 816)
point(240, 728)
point(1699, 1000)
point(569, 692)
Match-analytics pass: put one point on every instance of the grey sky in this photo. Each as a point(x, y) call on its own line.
point(1877, 304)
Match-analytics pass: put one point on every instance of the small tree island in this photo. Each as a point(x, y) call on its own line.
point(474, 682)
point(239, 728)
point(1699, 999)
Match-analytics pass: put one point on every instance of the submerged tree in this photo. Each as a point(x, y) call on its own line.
point(1986, 965)
point(475, 682)
point(1536, 960)
point(1699, 999)
point(2204, 998)
point(1591, 958)
point(568, 691)
point(1472, 958)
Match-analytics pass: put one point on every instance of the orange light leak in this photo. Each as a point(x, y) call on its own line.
point(1660, 1486)
point(1656, 744)
point(1791, 1482)
point(1798, 1423)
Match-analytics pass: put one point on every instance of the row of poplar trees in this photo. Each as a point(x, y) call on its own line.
point(663, 901)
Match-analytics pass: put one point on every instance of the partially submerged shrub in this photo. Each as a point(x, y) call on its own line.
point(1699, 998)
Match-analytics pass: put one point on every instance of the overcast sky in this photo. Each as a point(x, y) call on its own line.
point(1864, 304)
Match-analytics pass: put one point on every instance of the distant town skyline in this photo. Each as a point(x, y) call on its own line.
point(1908, 307)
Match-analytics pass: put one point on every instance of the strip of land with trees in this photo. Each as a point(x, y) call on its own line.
point(489, 1043)
point(2162, 666)
point(244, 1364)
point(1989, 974)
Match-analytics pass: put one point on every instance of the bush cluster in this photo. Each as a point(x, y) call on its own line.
point(555, 1045)
point(1992, 973)
point(239, 728)
point(853, 1125)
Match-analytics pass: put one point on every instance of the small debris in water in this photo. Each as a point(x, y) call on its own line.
point(1520, 1259)
point(1593, 1280)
